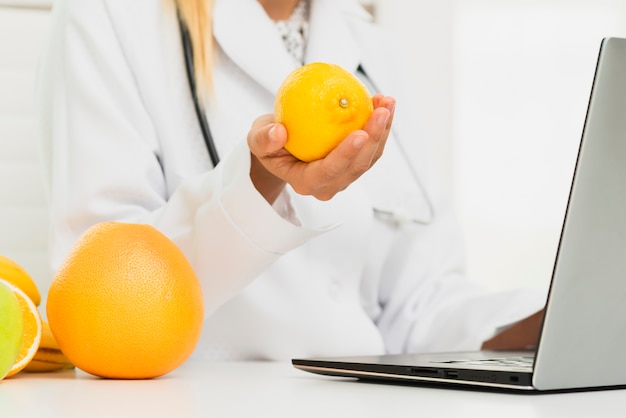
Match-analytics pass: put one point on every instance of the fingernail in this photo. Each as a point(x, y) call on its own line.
point(382, 119)
point(359, 140)
point(272, 133)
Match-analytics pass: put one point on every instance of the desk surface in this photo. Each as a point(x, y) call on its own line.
point(275, 390)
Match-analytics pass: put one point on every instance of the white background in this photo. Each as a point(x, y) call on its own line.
point(504, 86)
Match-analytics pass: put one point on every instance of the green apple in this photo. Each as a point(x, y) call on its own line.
point(11, 329)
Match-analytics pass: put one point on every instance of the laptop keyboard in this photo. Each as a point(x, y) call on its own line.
point(523, 361)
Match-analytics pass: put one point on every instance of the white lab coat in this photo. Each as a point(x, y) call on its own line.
point(121, 142)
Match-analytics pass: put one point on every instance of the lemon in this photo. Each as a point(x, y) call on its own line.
point(320, 104)
point(14, 273)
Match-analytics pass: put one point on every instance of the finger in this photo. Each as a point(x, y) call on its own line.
point(266, 137)
point(339, 168)
point(354, 155)
point(277, 138)
point(376, 100)
point(342, 158)
point(378, 122)
point(376, 127)
point(390, 104)
point(387, 102)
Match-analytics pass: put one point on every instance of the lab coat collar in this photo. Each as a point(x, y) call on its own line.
point(250, 39)
point(261, 53)
point(331, 39)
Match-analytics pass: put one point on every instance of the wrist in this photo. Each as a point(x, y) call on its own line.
point(266, 183)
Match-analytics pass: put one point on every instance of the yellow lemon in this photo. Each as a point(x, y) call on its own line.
point(320, 104)
point(14, 273)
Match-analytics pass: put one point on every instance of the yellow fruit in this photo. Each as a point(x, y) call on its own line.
point(320, 104)
point(49, 356)
point(11, 329)
point(32, 329)
point(14, 273)
point(126, 303)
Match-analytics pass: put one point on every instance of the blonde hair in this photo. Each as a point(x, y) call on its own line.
point(197, 15)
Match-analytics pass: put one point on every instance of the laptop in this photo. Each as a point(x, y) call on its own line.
point(583, 336)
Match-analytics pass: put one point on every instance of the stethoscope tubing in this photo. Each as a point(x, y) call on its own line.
point(191, 77)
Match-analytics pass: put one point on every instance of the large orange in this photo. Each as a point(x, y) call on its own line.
point(126, 303)
point(320, 104)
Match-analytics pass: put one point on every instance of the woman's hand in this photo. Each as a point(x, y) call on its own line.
point(273, 166)
point(524, 335)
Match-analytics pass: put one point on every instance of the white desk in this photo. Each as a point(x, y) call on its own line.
point(275, 390)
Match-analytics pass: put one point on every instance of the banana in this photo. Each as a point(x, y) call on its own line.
point(49, 356)
point(16, 274)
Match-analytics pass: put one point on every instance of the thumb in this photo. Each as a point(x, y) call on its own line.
point(266, 137)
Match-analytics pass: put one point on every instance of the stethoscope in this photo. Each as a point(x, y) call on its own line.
point(394, 216)
point(191, 78)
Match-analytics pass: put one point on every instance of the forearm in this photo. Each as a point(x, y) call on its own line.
point(227, 229)
point(267, 184)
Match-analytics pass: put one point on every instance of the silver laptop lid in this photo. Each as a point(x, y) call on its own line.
point(584, 332)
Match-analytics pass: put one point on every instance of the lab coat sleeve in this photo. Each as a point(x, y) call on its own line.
point(103, 160)
point(428, 303)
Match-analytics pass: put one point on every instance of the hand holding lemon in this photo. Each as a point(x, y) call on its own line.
point(325, 133)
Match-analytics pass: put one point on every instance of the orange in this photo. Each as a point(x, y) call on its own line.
point(11, 329)
point(12, 272)
point(320, 104)
point(49, 356)
point(32, 329)
point(126, 303)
